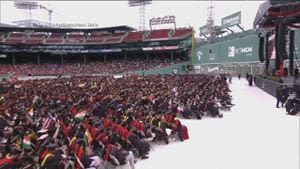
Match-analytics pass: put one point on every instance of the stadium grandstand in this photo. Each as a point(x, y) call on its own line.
point(63, 50)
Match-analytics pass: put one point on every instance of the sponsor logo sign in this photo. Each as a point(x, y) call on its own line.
point(231, 20)
point(233, 51)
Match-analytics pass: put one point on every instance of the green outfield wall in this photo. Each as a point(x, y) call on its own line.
point(176, 68)
point(243, 49)
point(297, 44)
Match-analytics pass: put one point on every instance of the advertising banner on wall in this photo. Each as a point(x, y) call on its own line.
point(158, 48)
point(240, 50)
point(236, 50)
point(231, 20)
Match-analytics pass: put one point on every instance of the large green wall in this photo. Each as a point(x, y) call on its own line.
point(243, 49)
point(181, 68)
point(297, 44)
point(209, 53)
point(240, 50)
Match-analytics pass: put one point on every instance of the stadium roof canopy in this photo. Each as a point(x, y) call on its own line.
point(270, 13)
point(5, 25)
point(63, 30)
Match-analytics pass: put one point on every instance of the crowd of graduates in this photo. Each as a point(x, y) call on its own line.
point(100, 122)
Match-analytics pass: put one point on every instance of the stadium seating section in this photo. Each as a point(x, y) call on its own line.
point(75, 38)
point(159, 34)
point(93, 37)
point(15, 38)
point(179, 33)
point(134, 36)
point(55, 38)
point(35, 38)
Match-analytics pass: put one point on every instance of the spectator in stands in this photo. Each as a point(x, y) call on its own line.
point(110, 67)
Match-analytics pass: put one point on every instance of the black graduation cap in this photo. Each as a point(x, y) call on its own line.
point(51, 146)
point(53, 162)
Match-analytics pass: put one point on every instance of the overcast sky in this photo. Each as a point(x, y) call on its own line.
point(114, 13)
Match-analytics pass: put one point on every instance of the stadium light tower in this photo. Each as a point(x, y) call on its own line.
point(142, 10)
point(26, 5)
point(211, 19)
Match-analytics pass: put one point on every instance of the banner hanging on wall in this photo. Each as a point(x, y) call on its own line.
point(231, 20)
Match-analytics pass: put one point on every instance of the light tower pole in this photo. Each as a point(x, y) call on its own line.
point(211, 20)
point(142, 10)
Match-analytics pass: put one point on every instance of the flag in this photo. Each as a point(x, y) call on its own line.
point(49, 121)
point(80, 115)
point(43, 136)
point(31, 112)
point(87, 136)
point(26, 142)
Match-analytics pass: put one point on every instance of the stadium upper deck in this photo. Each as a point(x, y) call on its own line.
point(113, 35)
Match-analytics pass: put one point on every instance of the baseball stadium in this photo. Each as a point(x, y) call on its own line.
point(144, 84)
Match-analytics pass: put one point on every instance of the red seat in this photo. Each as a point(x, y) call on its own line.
point(13, 41)
point(134, 36)
point(159, 34)
point(113, 39)
point(15, 37)
point(75, 38)
point(37, 36)
point(99, 40)
point(116, 37)
point(182, 32)
point(55, 38)
point(18, 35)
